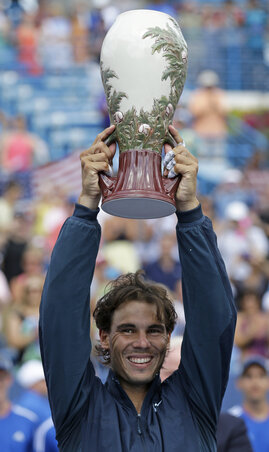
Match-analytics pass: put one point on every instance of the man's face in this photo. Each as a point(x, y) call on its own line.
point(254, 384)
point(137, 342)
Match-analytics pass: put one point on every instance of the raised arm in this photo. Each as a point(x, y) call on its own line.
point(208, 301)
point(65, 306)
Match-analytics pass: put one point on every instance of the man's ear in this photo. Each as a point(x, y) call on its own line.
point(104, 339)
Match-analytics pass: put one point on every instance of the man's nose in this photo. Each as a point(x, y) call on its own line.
point(141, 340)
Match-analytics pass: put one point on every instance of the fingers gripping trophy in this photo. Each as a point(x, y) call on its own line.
point(143, 68)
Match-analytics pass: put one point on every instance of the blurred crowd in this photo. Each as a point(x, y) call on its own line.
point(230, 37)
point(46, 37)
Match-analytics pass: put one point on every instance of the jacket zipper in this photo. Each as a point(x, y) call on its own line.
point(139, 429)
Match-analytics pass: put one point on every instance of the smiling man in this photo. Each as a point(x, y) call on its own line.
point(133, 411)
point(135, 319)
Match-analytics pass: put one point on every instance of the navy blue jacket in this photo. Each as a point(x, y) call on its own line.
point(180, 414)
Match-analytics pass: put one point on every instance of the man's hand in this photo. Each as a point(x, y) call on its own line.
point(95, 159)
point(185, 164)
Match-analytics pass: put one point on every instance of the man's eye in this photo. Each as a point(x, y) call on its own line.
point(128, 330)
point(155, 331)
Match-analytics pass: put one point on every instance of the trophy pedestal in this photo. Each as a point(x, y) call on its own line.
point(139, 191)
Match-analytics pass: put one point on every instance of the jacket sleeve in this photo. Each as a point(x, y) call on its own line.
point(64, 326)
point(210, 318)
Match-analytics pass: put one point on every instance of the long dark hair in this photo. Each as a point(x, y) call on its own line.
point(132, 287)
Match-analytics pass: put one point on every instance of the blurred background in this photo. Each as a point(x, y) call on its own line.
point(52, 106)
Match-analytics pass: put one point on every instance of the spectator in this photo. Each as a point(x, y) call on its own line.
point(44, 440)
point(27, 36)
point(256, 20)
point(17, 147)
point(96, 38)
point(4, 28)
point(119, 243)
point(20, 323)
point(254, 384)
point(241, 237)
point(17, 424)
point(8, 201)
point(233, 186)
point(34, 396)
point(56, 38)
point(22, 150)
point(101, 17)
point(166, 269)
point(162, 6)
point(80, 35)
point(14, 12)
point(252, 329)
point(256, 277)
point(208, 108)
point(15, 245)
point(32, 266)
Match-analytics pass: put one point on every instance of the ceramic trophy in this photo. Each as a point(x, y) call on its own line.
point(143, 66)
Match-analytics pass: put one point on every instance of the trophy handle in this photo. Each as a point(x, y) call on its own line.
point(107, 183)
point(171, 185)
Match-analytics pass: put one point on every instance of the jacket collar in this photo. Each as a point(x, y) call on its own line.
point(153, 395)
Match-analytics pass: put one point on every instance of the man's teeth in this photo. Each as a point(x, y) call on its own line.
point(140, 360)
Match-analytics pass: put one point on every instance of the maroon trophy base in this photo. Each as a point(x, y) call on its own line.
point(139, 191)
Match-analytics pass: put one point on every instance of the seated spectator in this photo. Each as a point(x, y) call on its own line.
point(44, 439)
point(55, 38)
point(256, 275)
point(80, 35)
point(32, 265)
point(253, 382)
point(8, 201)
point(166, 269)
point(233, 186)
point(15, 245)
point(17, 424)
point(34, 396)
point(20, 322)
point(240, 237)
point(27, 35)
point(162, 6)
point(20, 149)
point(17, 147)
point(252, 329)
point(119, 248)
